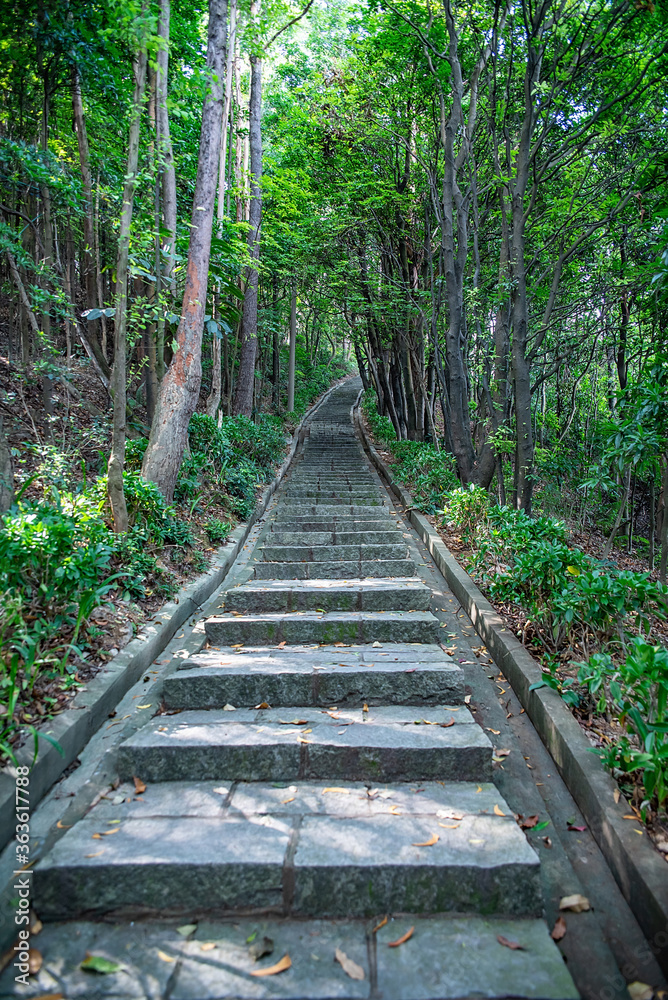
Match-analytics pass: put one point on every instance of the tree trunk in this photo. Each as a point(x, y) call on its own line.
point(6, 472)
point(243, 397)
point(293, 347)
point(663, 563)
point(118, 375)
point(87, 190)
point(166, 165)
point(179, 391)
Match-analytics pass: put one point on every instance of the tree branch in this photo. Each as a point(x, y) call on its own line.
point(288, 25)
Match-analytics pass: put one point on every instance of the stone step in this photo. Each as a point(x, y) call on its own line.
point(390, 536)
point(193, 846)
point(327, 553)
point(200, 745)
point(345, 523)
point(300, 627)
point(320, 510)
point(256, 596)
point(334, 493)
point(334, 570)
point(394, 674)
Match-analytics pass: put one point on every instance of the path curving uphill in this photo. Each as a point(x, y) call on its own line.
point(316, 766)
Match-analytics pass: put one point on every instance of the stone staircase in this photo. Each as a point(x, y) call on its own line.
point(317, 758)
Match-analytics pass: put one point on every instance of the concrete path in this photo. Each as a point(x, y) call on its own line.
point(314, 769)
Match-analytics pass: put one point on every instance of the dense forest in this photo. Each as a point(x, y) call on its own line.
point(209, 213)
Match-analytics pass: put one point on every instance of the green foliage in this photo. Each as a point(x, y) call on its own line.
point(636, 688)
point(428, 473)
point(217, 530)
point(468, 508)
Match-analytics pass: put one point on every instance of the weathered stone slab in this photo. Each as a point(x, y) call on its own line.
point(378, 595)
point(162, 864)
point(484, 865)
point(334, 570)
point(330, 627)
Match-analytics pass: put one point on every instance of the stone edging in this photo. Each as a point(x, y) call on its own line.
point(91, 706)
point(640, 872)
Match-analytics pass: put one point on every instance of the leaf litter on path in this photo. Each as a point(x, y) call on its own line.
point(402, 940)
point(513, 945)
point(273, 970)
point(350, 968)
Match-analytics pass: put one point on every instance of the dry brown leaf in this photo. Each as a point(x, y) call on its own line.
point(339, 791)
point(36, 925)
point(49, 996)
point(365, 707)
point(513, 945)
point(96, 855)
point(263, 704)
point(575, 902)
point(300, 739)
point(164, 957)
point(284, 802)
point(34, 961)
point(640, 991)
point(108, 833)
point(528, 823)
point(450, 826)
point(350, 968)
point(402, 940)
point(395, 810)
point(273, 970)
point(281, 644)
point(497, 732)
point(616, 795)
point(428, 843)
point(498, 811)
point(139, 785)
point(379, 925)
point(559, 929)
point(207, 946)
point(97, 836)
point(63, 826)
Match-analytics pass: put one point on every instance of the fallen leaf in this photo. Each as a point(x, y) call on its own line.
point(36, 925)
point(284, 802)
point(449, 814)
point(640, 991)
point(273, 970)
point(34, 961)
point(577, 829)
point(263, 704)
point(220, 791)
point(379, 925)
point(576, 902)
point(513, 945)
point(63, 826)
point(142, 706)
point(108, 833)
point(559, 929)
point(98, 963)
point(350, 968)
point(49, 996)
point(186, 929)
point(339, 791)
point(498, 811)
point(402, 940)
point(467, 699)
point(281, 645)
point(96, 836)
point(547, 841)
point(261, 948)
point(229, 708)
point(365, 707)
point(497, 732)
point(207, 946)
point(616, 795)
point(96, 855)
point(293, 722)
point(428, 843)
point(300, 739)
point(528, 823)
point(395, 811)
point(501, 753)
point(305, 731)
point(139, 786)
point(377, 645)
point(164, 957)
point(450, 826)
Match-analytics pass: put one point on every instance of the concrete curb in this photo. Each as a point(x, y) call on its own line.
point(92, 705)
point(640, 872)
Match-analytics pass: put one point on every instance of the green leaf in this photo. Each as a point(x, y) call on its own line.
point(543, 825)
point(98, 963)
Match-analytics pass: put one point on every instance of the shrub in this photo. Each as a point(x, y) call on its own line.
point(134, 453)
point(636, 688)
point(468, 508)
point(217, 530)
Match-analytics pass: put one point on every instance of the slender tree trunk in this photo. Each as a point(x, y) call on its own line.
point(118, 375)
point(292, 349)
point(6, 472)
point(87, 191)
point(165, 156)
point(179, 390)
point(663, 563)
point(243, 397)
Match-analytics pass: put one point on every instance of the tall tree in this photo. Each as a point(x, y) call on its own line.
point(179, 390)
